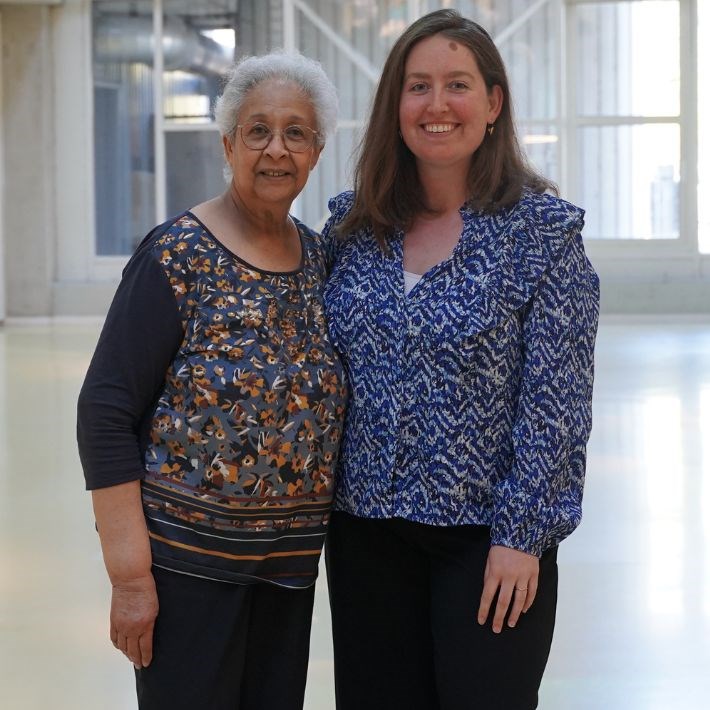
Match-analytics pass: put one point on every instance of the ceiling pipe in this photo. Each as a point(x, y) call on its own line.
point(129, 39)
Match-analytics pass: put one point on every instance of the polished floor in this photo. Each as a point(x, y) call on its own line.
point(633, 628)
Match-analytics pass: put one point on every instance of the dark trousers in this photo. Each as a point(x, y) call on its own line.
point(221, 646)
point(404, 599)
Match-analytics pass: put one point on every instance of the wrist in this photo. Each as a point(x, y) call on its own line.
point(127, 563)
point(139, 583)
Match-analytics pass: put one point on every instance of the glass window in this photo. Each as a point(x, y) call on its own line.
point(703, 123)
point(620, 70)
point(530, 50)
point(193, 168)
point(624, 131)
point(199, 44)
point(198, 48)
point(323, 30)
point(627, 163)
point(529, 45)
point(630, 186)
point(528, 40)
point(541, 143)
point(124, 156)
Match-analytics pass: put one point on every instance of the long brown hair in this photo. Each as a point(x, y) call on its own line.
point(388, 193)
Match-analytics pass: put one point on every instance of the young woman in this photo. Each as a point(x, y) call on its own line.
point(465, 312)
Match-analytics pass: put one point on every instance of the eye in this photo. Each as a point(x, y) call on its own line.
point(418, 88)
point(258, 130)
point(458, 85)
point(296, 133)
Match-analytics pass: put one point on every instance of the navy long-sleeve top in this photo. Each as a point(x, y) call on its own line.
point(471, 396)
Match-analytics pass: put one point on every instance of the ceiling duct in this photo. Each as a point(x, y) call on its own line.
point(129, 39)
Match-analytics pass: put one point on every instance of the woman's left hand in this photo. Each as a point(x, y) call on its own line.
point(513, 574)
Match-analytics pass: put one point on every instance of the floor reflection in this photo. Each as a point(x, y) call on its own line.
point(634, 613)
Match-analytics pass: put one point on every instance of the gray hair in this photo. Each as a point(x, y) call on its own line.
point(306, 73)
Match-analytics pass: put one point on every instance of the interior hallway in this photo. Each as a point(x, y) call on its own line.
point(633, 627)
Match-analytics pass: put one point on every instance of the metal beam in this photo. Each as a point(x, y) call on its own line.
point(358, 59)
point(503, 36)
point(31, 2)
point(289, 25)
point(158, 120)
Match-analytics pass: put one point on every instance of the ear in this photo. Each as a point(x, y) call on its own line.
point(228, 149)
point(495, 103)
point(316, 151)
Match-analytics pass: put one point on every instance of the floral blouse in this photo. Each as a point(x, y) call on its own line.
point(215, 382)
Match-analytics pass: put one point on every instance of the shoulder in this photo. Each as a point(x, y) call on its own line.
point(314, 244)
point(173, 242)
point(308, 234)
point(183, 235)
point(549, 215)
point(170, 256)
point(336, 241)
point(542, 226)
point(340, 207)
point(526, 244)
point(535, 227)
point(341, 204)
point(551, 245)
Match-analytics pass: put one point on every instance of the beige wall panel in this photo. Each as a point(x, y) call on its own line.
point(29, 225)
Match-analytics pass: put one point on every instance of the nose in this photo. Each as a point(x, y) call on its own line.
point(438, 103)
point(276, 146)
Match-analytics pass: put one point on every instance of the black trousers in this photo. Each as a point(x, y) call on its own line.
point(221, 646)
point(404, 599)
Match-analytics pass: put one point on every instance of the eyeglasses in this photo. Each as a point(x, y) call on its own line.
point(297, 139)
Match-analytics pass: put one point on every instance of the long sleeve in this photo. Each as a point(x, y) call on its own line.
point(539, 503)
point(139, 339)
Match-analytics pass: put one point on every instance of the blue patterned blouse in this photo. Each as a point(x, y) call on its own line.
point(471, 397)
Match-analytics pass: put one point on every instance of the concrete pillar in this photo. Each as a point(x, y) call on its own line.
point(28, 156)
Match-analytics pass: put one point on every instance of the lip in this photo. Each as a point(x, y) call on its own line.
point(443, 128)
point(274, 174)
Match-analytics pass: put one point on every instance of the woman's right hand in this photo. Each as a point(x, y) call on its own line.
point(134, 608)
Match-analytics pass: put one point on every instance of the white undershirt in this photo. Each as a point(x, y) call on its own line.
point(410, 281)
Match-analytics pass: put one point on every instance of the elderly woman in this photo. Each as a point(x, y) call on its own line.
point(210, 417)
point(465, 311)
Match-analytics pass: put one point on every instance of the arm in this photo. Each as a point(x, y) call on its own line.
point(539, 503)
point(138, 342)
point(136, 346)
point(126, 550)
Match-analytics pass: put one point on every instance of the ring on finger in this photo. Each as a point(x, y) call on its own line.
point(521, 589)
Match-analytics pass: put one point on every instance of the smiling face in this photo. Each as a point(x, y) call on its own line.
point(445, 106)
point(273, 174)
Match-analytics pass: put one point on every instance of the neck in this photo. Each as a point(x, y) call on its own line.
point(268, 220)
point(444, 188)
